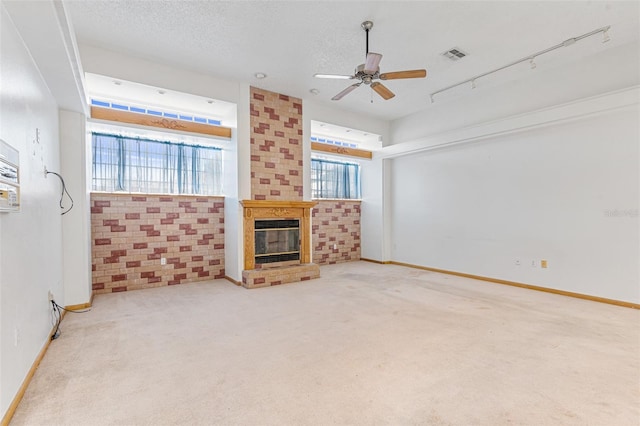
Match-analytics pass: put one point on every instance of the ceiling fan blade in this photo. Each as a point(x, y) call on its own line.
point(372, 62)
point(382, 90)
point(336, 76)
point(345, 92)
point(403, 74)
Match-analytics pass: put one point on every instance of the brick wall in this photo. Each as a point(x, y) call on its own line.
point(130, 234)
point(336, 222)
point(276, 146)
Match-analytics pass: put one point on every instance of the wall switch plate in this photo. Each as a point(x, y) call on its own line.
point(163, 260)
point(544, 264)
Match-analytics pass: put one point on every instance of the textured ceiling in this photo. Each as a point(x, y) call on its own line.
point(290, 41)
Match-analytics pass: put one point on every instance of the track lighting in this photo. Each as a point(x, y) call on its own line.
point(531, 58)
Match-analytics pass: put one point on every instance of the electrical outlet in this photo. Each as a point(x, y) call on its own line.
point(335, 246)
point(534, 264)
point(50, 296)
point(163, 260)
point(517, 262)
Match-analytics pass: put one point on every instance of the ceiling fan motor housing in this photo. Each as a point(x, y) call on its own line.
point(366, 77)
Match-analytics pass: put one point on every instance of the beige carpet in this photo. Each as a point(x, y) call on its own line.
point(366, 344)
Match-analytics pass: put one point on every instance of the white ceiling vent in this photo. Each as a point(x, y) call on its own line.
point(454, 54)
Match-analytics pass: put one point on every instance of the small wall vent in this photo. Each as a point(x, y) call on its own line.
point(454, 54)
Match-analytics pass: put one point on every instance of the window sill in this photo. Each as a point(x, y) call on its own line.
point(337, 199)
point(153, 194)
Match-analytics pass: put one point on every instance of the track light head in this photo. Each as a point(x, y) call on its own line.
point(605, 36)
point(532, 63)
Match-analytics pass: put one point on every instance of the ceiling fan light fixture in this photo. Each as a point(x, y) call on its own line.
point(372, 62)
point(260, 75)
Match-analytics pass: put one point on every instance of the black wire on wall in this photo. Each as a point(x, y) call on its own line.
point(64, 191)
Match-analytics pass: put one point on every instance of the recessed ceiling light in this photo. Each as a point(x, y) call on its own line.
point(314, 91)
point(162, 92)
point(117, 83)
point(322, 124)
point(348, 130)
point(210, 101)
point(260, 75)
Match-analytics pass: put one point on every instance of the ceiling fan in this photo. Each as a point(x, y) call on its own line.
point(369, 71)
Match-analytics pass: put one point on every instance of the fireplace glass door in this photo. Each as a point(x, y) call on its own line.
point(277, 240)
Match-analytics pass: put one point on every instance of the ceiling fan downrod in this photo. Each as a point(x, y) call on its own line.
point(367, 25)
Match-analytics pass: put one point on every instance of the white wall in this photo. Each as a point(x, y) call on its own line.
point(372, 222)
point(565, 192)
point(238, 181)
point(76, 224)
point(31, 243)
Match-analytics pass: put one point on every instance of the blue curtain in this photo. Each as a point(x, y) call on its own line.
point(334, 179)
point(141, 165)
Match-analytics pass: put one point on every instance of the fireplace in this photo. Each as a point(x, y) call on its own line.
point(277, 242)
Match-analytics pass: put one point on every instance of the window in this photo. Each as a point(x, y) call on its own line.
point(334, 179)
point(141, 165)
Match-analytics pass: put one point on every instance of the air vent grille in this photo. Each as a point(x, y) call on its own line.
point(454, 54)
